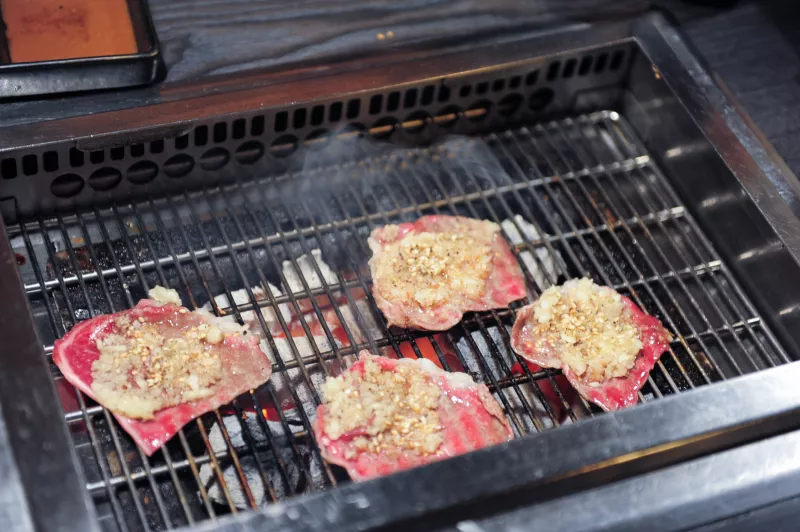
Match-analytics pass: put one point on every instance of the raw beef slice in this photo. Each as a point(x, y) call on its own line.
point(239, 363)
point(603, 343)
point(426, 274)
point(385, 415)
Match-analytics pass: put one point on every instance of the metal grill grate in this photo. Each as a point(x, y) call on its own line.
point(580, 196)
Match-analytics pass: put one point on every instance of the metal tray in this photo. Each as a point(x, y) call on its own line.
point(19, 80)
point(639, 172)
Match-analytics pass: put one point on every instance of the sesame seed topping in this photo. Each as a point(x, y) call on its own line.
point(397, 410)
point(589, 328)
point(429, 268)
point(145, 366)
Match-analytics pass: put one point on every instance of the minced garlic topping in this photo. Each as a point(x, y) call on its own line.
point(589, 327)
point(165, 295)
point(397, 409)
point(144, 367)
point(432, 268)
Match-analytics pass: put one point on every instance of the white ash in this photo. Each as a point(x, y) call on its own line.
point(480, 360)
point(368, 326)
point(306, 265)
point(545, 270)
point(296, 379)
point(283, 487)
point(249, 317)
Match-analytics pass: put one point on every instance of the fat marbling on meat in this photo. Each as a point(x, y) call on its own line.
point(603, 343)
point(428, 273)
point(157, 366)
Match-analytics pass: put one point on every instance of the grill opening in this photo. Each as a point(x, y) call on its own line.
point(576, 197)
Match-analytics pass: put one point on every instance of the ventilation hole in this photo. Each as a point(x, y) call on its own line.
point(447, 116)
point(498, 85)
point(201, 136)
point(178, 165)
point(220, 132)
point(393, 102)
point(214, 159)
point(569, 68)
point(416, 122)
point(444, 93)
point(410, 99)
point(239, 129)
point(299, 118)
point(384, 128)
point(375, 104)
point(257, 126)
point(30, 165)
point(157, 146)
point(335, 112)
point(465, 91)
point(427, 95)
point(116, 154)
point(182, 142)
point(66, 185)
point(97, 156)
point(76, 157)
point(532, 78)
point(349, 132)
point(249, 152)
point(137, 150)
point(282, 146)
point(540, 99)
point(142, 172)
point(600, 64)
point(552, 72)
point(317, 139)
point(482, 87)
point(478, 111)
point(281, 121)
point(515, 82)
point(616, 60)
point(50, 161)
point(586, 65)
point(105, 179)
point(353, 109)
point(510, 104)
point(8, 168)
point(317, 115)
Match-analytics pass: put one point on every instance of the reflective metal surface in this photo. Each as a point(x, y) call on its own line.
point(623, 161)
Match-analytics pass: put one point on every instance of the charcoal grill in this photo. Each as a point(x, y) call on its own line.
point(606, 151)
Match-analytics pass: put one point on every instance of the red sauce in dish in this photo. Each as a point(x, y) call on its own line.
point(49, 30)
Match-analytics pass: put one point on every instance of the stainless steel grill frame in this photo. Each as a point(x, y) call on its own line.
point(599, 196)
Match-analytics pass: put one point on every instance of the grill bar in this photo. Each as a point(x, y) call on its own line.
point(617, 130)
point(661, 253)
point(115, 505)
point(600, 208)
point(582, 269)
point(669, 321)
point(306, 421)
point(145, 462)
point(485, 369)
point(506, 340)
point(181, 434)
point(32, 288)
point(607, 252)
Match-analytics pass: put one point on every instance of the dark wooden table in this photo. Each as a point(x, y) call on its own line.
point(755, 49)
point(752, 46)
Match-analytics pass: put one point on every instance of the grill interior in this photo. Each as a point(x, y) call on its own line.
point(577, 197)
